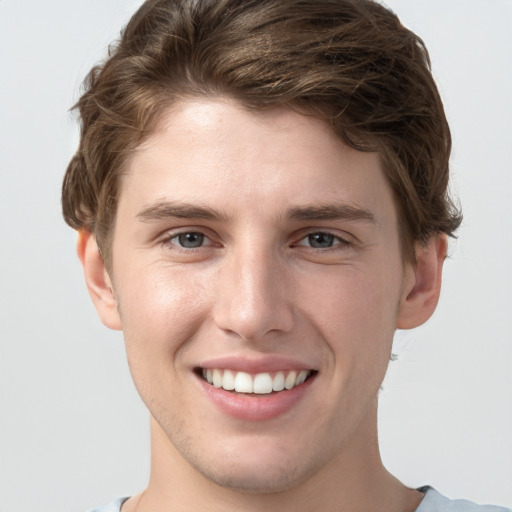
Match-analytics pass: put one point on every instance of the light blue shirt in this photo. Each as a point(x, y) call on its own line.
point(432, 502)
point(436, 502)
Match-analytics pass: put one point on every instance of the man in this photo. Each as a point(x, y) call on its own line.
point(261, 196)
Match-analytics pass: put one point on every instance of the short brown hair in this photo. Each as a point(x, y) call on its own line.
point(349, 62)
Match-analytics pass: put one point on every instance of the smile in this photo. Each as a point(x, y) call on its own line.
point(260, 383)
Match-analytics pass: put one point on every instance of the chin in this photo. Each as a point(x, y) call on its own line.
point(249, 462)
point(255, 478)
point(256, 466)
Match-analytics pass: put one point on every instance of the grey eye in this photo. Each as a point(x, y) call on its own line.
point(190, 240)
point(321, 240)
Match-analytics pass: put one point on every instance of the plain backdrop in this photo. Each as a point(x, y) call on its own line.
point(73, 432)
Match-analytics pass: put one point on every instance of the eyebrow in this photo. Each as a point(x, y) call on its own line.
point(333, 211)
point(165, 209)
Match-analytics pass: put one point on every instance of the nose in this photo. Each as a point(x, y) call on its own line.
point(253, 299)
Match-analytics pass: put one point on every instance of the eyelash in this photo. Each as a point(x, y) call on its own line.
point(169, 240)
point(338, 242)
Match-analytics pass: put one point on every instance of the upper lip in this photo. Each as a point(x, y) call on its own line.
point(255, 364)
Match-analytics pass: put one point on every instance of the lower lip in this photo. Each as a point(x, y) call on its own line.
point(255, 408)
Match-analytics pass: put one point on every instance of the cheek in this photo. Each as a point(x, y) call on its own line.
point(357, 301)
point(160, 311)
point(356, 316)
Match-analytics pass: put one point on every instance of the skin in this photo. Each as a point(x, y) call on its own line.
point(259, 287)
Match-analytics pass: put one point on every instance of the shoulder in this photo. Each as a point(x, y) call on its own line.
point(114, 506)
point(436, 502)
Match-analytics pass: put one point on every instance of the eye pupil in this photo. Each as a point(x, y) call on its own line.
point(191, 240)
point(321, 240)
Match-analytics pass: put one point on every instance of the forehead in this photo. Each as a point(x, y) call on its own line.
point(218, 153)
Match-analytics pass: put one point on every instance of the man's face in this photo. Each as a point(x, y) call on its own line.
point(259, 244)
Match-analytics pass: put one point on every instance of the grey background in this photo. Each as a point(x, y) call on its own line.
point(74, 434)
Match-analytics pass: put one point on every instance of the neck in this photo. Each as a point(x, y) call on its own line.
point(354, 480)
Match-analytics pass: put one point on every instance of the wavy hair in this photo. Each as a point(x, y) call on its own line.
point(348, 62)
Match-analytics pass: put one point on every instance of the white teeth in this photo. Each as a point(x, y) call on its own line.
point(289, 382)
point(261, 383)
point(303, 375)
point(278, 382)
point(217, 378)
point(243, 383)
point(228, 380)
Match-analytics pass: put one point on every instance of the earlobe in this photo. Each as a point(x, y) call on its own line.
point(97, 280)
point(422, 284)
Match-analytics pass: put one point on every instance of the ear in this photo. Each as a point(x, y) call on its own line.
point(98, 281)
point(422, 283)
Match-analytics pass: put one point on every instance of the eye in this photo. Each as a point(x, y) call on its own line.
point(322, 240)
point(189, 240)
